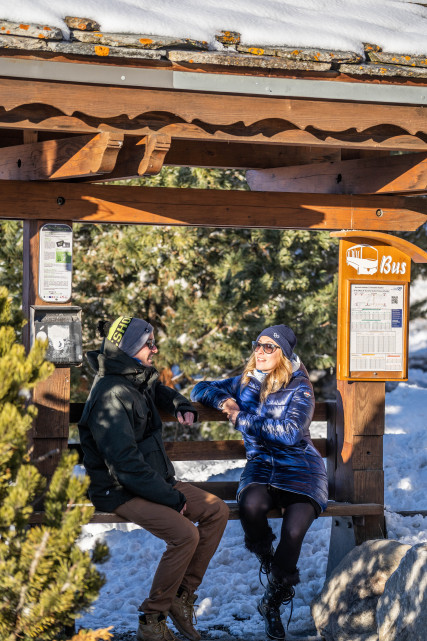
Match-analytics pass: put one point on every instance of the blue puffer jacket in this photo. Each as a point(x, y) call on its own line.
point(276, 434)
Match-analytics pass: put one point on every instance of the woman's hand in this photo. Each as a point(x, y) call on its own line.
point(232, 416)
point(231, 409)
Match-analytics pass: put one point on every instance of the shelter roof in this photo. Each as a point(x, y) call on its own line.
point(333, 39)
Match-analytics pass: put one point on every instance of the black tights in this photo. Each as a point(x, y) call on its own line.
point(254, 503)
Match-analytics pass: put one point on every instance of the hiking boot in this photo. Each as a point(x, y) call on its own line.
point(265, 559)
point(264, 552)
point(152, 627)
point(181, 612)
point(276, 593)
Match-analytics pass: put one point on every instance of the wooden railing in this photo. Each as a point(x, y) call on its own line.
point(234, 449)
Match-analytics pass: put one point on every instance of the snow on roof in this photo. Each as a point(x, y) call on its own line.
point(395, 25)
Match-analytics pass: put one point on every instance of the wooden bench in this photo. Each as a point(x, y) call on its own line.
point(232, 450)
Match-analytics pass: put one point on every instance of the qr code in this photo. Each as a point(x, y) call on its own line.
point(394, 300)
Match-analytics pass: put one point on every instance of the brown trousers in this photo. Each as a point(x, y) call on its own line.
point(189, 548)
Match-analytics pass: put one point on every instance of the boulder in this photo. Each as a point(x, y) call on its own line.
point(402, 608)
point(345, 610)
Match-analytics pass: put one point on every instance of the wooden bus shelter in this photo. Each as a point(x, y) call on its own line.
point(335, 147)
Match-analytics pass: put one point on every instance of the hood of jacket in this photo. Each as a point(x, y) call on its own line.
point(111, 360)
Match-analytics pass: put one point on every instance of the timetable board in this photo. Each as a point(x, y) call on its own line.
point(373, 299)
point(376, 327)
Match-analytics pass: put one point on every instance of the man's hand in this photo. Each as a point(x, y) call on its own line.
point(187, 419)
point(184, 507)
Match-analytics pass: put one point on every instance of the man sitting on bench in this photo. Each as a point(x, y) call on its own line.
point(131, 475)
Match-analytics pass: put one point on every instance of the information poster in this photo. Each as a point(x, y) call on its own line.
point(376, 327)
point(55, 264)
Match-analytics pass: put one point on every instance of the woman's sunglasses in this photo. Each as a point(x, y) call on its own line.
point(268, 348)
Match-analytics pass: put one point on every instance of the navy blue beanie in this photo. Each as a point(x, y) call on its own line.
point(283, 336)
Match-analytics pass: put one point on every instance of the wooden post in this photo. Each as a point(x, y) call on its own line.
point(358, 476)
point(49, 434)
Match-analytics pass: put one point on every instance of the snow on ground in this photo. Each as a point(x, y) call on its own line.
point(398, 26)
point(229, 592)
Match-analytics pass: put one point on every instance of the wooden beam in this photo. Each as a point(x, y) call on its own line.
point(74, 157)
point(406, 173)
point(29, 136)
point(67, 106)
point(207, 450)
point(209, 208)
point(322, 412)
point(334, 509)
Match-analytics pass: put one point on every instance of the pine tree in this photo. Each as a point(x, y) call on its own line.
point(209, 292)
point(45, 579)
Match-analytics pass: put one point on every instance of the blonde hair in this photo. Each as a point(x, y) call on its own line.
point(276, 379)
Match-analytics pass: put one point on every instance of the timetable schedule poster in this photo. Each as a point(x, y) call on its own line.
point(376, 327)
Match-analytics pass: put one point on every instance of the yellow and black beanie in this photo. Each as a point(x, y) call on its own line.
point(129, 334)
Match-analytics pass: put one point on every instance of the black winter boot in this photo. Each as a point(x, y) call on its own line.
point(263, 551)
point(276, 593)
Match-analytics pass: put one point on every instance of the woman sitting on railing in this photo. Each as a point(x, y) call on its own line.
point(272, 404)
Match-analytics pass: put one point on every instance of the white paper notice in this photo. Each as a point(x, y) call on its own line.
point(376, 331)
point(55, 265)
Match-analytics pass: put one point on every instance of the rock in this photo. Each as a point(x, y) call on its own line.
point(398, 59)
point(402, 608)
point(83, 49)
point(44, 32)
point(301, 54)
point(228, 38)
point(371, 47)
point(82, 24)
point(242, 60)
point(384, 70)
point(136, 41)
point(345, 610)
point(16, 42)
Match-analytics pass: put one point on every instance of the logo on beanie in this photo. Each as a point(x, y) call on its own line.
point(276, 335)
point(118, 328)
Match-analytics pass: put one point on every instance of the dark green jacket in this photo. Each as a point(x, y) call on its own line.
point(121, 432)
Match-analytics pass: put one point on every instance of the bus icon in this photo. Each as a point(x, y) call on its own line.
point(363, 258)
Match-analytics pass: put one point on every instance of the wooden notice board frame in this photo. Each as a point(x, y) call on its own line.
point(378, 269)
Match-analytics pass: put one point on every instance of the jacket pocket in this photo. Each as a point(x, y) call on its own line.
point(140, 418)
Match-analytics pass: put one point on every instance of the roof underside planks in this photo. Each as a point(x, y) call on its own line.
point(58, 131)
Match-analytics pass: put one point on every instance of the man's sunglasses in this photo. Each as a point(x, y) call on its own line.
point(268, 348)
point(151, 344)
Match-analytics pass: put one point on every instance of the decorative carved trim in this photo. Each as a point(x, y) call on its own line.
point(156, 148)
point(57, 106)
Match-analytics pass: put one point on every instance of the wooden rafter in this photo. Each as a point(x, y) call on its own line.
point(75, 157)
point(209, 208)
point(57, 106)
point(406, 173)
